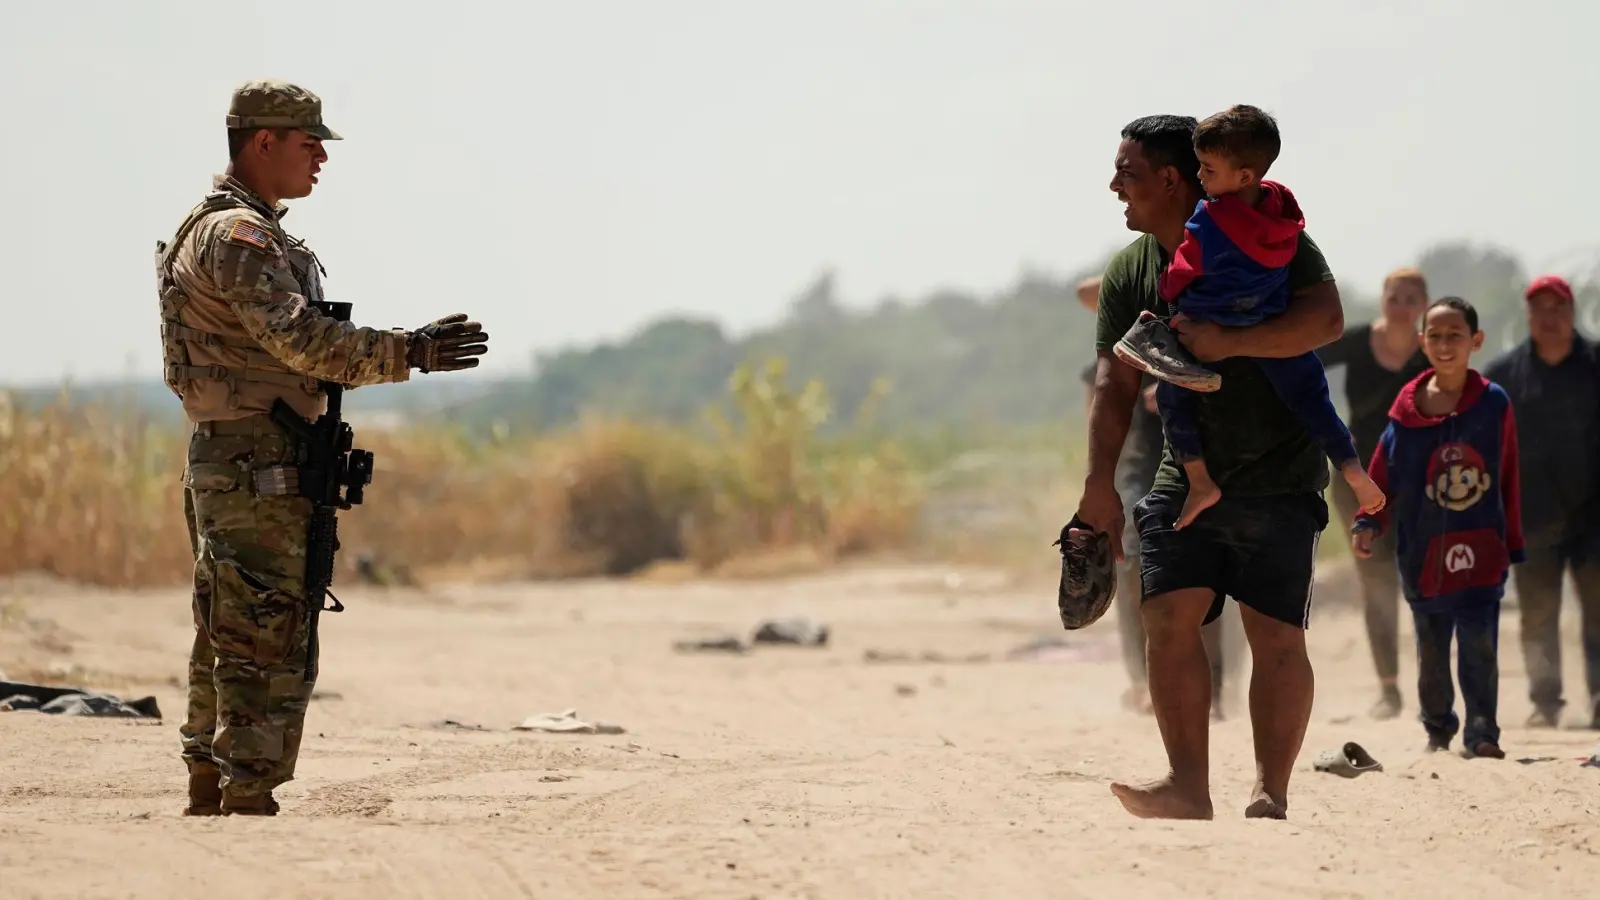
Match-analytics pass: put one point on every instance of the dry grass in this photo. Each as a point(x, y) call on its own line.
point(93, 496)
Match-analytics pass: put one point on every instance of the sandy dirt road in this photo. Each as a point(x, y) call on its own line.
point(787, 772)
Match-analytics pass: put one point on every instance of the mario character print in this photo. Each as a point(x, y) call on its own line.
point(1457, 477)
point(1458, 480)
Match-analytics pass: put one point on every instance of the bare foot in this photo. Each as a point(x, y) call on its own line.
point(1262, 806)
point(1137, 699)
point(1163, 800)
point(1388, 705)
point(1367, 492)
point(1544, 718)
point(1203, 494)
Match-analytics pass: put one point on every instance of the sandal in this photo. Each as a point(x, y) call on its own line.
point(1349, 761)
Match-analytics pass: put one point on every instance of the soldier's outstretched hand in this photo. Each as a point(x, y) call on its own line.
point(446, 345)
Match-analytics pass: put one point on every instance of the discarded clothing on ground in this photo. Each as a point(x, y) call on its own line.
point(567, 722)
point(803, 632)
point(16, 697)
point(564, 722)
point(798, 632)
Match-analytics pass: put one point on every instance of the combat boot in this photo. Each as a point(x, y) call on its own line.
point(249, 805)
point(205, 792)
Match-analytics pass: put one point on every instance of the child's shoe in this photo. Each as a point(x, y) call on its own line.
point(1483, 750)
point(1438, 743)
point(1150, 346)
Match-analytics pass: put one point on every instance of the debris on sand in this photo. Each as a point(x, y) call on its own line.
point(1045, 650)
point(73, 701)
point(567, 722)
point(797, 631)
point(1054, 649)
point(727, 643)
point(372, 571)
point(453, 725)
point(926, 656)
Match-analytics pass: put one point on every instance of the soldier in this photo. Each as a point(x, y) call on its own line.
point(238, 333)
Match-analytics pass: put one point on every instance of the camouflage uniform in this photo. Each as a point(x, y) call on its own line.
point(237, 334)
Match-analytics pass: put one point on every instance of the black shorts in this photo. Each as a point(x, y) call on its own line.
point(1258, 550)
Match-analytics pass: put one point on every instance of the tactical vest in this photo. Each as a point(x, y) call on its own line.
point(249, 362)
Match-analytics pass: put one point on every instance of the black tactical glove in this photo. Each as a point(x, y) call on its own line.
point(447, 345)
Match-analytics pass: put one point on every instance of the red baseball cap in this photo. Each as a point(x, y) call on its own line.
point(1555, 284)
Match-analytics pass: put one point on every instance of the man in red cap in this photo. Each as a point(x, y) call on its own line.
point(1553, 379)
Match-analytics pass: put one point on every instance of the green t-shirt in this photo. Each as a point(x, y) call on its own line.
point(1253, 445)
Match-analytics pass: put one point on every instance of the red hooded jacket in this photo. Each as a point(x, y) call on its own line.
point(1454, 495)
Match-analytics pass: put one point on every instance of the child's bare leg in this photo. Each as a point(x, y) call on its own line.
point(1368, 494)
point(1203, 492)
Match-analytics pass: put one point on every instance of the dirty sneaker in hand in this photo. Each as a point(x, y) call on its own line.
point(1088, 576)
point(1151, 346)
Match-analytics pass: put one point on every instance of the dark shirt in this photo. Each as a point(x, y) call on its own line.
point(1369, 388)
point(1254, 445)
point(1141, 452)
point(1557, 410)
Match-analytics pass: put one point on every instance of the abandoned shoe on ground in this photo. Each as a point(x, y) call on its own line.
point(1349, 761)
point(1151, 346)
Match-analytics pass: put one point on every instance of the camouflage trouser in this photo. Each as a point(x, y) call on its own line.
point(247, 688)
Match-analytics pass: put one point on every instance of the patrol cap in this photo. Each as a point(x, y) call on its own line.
point(278, 104)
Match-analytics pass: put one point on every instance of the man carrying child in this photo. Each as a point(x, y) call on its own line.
point(1257, 543)
point(1232, 269)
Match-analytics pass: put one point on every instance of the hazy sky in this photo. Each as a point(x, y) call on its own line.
point(567, 171)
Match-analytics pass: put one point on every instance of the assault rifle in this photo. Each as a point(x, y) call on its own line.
point(333, 474)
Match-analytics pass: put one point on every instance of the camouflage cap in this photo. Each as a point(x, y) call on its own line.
point(278, 104)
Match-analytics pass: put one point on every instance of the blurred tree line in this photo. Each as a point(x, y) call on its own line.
point(952, 359)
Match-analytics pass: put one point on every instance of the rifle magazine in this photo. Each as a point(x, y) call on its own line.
point(277, 481)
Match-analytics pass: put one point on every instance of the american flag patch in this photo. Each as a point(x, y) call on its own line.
point(244, 232)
